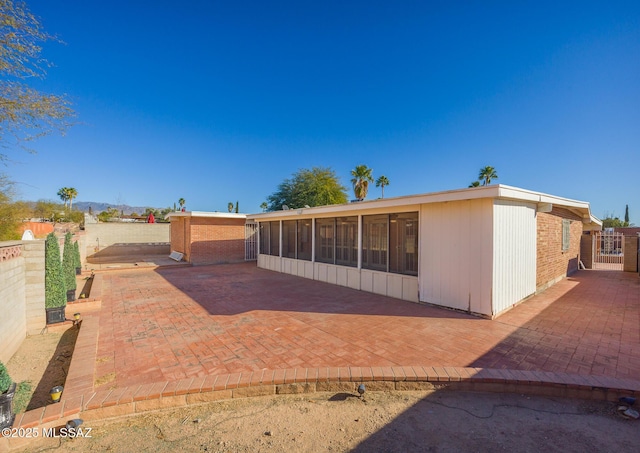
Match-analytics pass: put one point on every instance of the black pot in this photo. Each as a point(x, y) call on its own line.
point(6, 407)
point(71, 295)
point(55, 315)
point(78, 270)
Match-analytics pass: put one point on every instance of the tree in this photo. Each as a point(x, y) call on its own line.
point(71, 194)
point(487, 174)
point(63, 193)
point(181, 202)
point(475, 184)
point(381, 182)
point(264, 206)
point(361, 179)
point(11, 212)
point(317, 186)
point(626, 215)
point(46, 209)
point(230, 206)
point(25, 113)
point(68, 265)
point(54, 292)
point(237, 207)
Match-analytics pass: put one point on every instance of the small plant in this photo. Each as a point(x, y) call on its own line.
point(5, 379)
point(68, 263)
point(54, 290)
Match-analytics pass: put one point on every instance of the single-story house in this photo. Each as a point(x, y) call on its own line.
point(208, 237)
point(480, 250)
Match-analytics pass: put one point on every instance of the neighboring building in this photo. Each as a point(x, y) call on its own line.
point(208, 237)
point(480, 250)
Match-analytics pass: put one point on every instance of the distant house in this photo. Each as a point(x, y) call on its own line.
point(208, 237)
point(480, 250)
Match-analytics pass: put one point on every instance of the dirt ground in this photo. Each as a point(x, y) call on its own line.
point(438, 421)
point(43, 361)
point(381, 422)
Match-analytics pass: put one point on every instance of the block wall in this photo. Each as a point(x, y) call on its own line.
point(13, 320)
point(552, 264)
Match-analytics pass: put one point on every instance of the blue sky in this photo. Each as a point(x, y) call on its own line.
point(220, 101)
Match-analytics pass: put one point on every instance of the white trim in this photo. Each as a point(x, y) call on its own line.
point(224, 215)
point(498, 191)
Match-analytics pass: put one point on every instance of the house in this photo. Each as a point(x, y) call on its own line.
point(480, 250)
point(208, 237)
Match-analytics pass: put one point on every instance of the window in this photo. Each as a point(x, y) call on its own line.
point(375, 239)
point(403, 243)
point(274, 249)
point(264, 238)
point(347, 241)
point(304, 240)
point(566, 234)
point(289, 239)
point(325, 240)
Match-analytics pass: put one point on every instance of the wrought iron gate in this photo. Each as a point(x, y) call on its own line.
point(608, 250)
point(250, 241)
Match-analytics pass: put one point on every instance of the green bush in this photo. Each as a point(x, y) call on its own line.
point(55, 294)
point(76, 255)
point(5, 379)
point(68, 264)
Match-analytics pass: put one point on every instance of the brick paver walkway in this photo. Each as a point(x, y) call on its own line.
point(170, 324)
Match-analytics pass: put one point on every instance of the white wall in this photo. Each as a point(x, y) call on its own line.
point(387, 284)
point(514, 253)
point(456, 243)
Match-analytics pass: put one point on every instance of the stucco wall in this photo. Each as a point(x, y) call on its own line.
point(552, 263)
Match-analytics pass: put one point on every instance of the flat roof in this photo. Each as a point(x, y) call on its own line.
point(496, 191)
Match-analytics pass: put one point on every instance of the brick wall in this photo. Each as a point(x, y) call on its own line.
point(631, 254)
point(216, 240)
point(586, 250)
point(552, 263)
point(179, 230)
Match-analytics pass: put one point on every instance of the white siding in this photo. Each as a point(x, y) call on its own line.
point(387, 284)
point(514, 253)
point(456, 254)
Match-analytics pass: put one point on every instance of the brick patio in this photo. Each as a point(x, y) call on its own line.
point(177, 323)
point(177, 336)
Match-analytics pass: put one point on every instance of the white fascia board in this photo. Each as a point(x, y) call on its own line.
point(225, 215)
point(497, 191)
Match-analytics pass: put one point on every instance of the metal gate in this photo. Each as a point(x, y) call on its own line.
point(608, 250)
point(250, 241)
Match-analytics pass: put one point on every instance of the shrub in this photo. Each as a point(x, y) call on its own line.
point(54, 290)
point(5, 379)
point(68, 264)
point(76, 255)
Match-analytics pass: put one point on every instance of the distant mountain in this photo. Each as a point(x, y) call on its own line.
point(97, 207)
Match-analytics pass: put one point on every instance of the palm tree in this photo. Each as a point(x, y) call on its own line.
point(361, 179)
point(487, 174)
point(381, 182)
point(181, 202)
point(264, 206)
point(475, 184)
point(230, 207)
point(71, 193)
point(64, 195)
